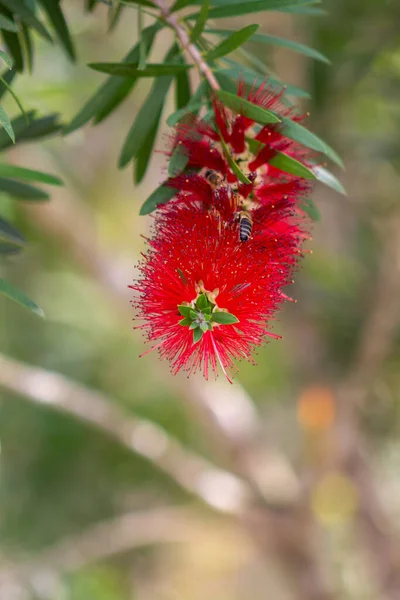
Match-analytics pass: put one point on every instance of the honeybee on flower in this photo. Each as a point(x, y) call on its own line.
point(225, 248)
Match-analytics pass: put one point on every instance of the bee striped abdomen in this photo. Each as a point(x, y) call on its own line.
point(245, 227)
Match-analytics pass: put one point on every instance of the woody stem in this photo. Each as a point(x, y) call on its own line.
point(186, 43)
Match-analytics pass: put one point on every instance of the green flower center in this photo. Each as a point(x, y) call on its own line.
point(203, 313)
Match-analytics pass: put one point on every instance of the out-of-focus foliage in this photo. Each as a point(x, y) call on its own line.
point(60, 476)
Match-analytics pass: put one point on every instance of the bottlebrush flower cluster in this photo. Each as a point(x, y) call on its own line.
point(225, 247)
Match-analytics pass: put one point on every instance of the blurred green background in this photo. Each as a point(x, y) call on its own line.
point(303, 500)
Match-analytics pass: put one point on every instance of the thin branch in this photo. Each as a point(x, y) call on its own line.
point(216, 487)
point(186, 43)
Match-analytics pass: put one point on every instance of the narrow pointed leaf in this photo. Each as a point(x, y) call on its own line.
point(132, 70)
point(27, 16)
point(197, 335)
point(56, 18)
point(176, 116)
point(329, 179)
point(5, 121)
point(236, 8)
point(7, 170)
point(161, 195)
point(251, 78)
point(290, 165)
point(4, 56)
point(308, 205)
point(8, 24)
point(110, 95)
point(9, 234)
point(20, 190)
point(13, 44)
point(224, 318)
point(246, 108)
point(233, 164)
point(5, 81)
point(178, 161)
point(8, 289)
point(300, 134)
point(200, 22)
point(182, 89)
point(235, 40)
point(147, 116)
point(37, 128)
point(274, 40)
point(144, 155)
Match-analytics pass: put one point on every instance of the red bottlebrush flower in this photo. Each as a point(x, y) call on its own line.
point(223, 249)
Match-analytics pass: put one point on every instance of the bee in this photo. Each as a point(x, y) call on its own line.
point(215, 179)
point(244, 217)
point(245, 225)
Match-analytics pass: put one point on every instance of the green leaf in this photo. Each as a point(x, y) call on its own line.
point(290, 165)
point(12, 41)
point(22, 190)
point(161, 195)
point(194, 325)
point(7, 24)
point(200, 21)
point(28, 17)
point(328, 179)
point(114, 15)
point(185, 322)
point(110, 95)
point(205, 327)
point(182, 89)
point(193, 106)
point(235, 40)
point(37, 128)
point(184, 310)
point(5, 121)
point(9, 290)
point(308, 205)
point(178, 161)
point(27, 45)
point(145, 120)
point(56, 18)
point(246, 108)
point(176, 116)
point(227, 84)
point(201, 302)
point(233, 164)
point(300, 134)
point(224, 318)
point(132, 70)
point(274, 40)
point(5, 81)
point(7, 170)
point(143, 156)
point(197, 335)
point(254, 79)
point(6, 58)
point(9, 234)
point(236, 8)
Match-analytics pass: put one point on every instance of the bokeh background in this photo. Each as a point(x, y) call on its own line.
point(119, 481)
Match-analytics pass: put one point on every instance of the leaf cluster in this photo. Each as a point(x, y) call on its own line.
point(229, 54)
